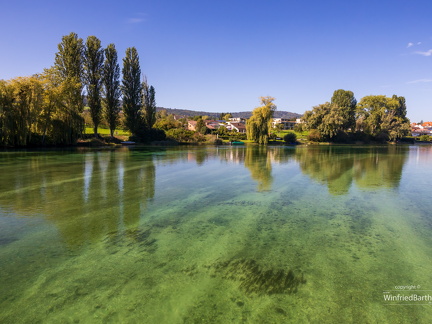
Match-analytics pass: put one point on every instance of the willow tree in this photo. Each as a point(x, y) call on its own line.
point(93, 71)
point(21, 105)
point(131, 89)
point(6, 104)
point(69, 67)
point(111, 82)
point(259, 125)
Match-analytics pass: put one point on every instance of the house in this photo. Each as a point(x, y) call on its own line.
point(419, 131)
point(287, 124)
point(238, 120)
point(238, 127)
point(191, 125)
point(212, 124)
point(415, 125)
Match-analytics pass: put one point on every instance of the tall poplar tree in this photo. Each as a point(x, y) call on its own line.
point(344, 103)
point(111, 82)
point(68, 65)
point(93, 71)
point(131, 89)
point(149, 104)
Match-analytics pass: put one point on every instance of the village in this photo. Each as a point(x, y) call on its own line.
point(239, 124)
point(419, 129)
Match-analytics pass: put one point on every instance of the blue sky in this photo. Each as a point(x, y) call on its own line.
point(223, 55)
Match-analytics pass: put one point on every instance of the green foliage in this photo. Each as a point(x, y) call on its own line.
point(344, 105)
point(314, 135)
point(147, 135)
point(69, 69)
point(201, 127)
point(149, 104)
point(378, 117)
point(290, 138)
point(383, 118)
point(333, 118)
point(280, 127)
point(233, 136)
point(225, 116)
point(93, 71)
point(258, 126)
point(300, 127)
point(166, 122)
point(111, 89)
point(184, 136)
point(21, 107)
point(131, 89)
point(424, 138)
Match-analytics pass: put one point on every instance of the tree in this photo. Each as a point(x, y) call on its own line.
point(258, 126)
point(225, 116)
point(111, 87)
point(344, 103)
point(93, 71)
point(280, 127)
point(316, 119)
point(200, 126)
point(21, 107)
point(149, 104)
point(68, 66)
point(131, 89)
point(382, 117)
point(290, 138)
point(166, 122)
point(335, 117)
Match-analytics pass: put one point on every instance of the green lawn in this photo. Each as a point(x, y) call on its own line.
point(106, 131)
point(300, 135)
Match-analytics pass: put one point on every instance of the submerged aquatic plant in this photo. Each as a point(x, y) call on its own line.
point(254, 279)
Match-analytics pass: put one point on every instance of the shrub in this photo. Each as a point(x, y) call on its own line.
point(147, 135)
point(290, 138)
point(180, 134)
point(425, 138)
point(314, 135)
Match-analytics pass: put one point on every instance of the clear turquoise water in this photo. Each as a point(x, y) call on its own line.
point(215, 235)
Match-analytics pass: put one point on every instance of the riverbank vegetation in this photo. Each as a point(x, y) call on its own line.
point(85, 88)
point(374, 118)
point(48, 108)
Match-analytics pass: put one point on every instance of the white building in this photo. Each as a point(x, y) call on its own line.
point(287, 124)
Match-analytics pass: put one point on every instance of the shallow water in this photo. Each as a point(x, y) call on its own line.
point(216, 235)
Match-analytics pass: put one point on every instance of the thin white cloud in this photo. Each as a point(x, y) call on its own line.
point(135, 20)
point(410, 44)
point(420, 81)
point(419, 43)
point(427, 53)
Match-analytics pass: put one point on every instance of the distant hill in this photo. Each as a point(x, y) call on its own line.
point(244, 114)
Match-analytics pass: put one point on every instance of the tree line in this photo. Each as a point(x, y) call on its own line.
point(47, 108)
point(375, 117)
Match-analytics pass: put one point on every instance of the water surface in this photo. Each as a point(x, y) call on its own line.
point(216, 235)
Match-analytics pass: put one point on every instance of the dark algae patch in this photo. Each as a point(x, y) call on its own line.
point(260, 280)
point(7, 240)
